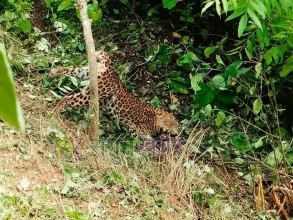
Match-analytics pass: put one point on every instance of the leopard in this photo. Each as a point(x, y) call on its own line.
point(139, 117)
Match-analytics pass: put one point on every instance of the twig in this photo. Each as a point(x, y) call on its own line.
point(279, 205)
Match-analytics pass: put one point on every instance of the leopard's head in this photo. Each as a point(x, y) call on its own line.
point(166, 121)
point(103, 57)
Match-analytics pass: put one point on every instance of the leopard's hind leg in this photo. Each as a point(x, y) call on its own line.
point(81, 99)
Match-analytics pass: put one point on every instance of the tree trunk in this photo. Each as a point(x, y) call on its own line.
point(93, 85)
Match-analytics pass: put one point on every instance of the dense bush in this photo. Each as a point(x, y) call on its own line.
point(233, 58)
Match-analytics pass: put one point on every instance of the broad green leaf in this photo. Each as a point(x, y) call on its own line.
point(227, 97)
point(274, 158)
point(156, 102)
point(187, 59)
point(286, 5)
point(288, 67)
point(169, 3)
point(207, 5)
point(220, 118)
point(255, 19)
point(218, 82)
point(275, 53)
point(9, 15)
point(10, 110)
point(259, 143)
point(238, 139)
point(153, 67)
point(258, 69)
point(65, 5)
point(75, 215)
point(231, 70)
point(257, 106)
point(177, 87)
point(209, 50)
point(204, 96)
point(174, 74)
point(195, 80)
point(74, 81)
point(234, 3)
point(208, 110)
point(266, 36)
point(96, 16)
point(24, 25)
point(289, 157)
point(242, 25)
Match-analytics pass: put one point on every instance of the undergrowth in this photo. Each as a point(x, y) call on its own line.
point(232, 96)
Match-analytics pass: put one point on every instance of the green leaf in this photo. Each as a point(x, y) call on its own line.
point(259, 143)
point(153, 67)
point(187, 59)
point(125, 2)
point(177, 87)
point(218, 7)
point(9, 15)
point(218, 82)
point(248, 49)
point(289, 157)
point(174, 74)
point(286, 5)
point(255, 19)
point(239, 11)
point(219, 60)
point(274, 158)
point(287, 67)
point(257, 106)
point(225, 5)
point(156, 102)
point(207, 5)
point(209, 50)
point(204, 96)
point(220, 118)
point(74, 81)
point(231, 70)
point(238, 139)
point(10, 110)
point(208, 110)
point(227, 97)
point(195, 80)
point(65, 5)
point(259, 7)
point(169, 3)
point(75, 215)
point(24, 25)
point(258, 69)
point(97, 15)
point(242, 25)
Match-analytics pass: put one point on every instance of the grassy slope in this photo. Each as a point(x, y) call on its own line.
point(36, 184)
